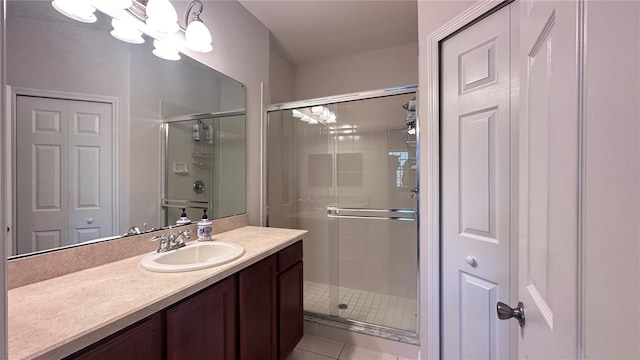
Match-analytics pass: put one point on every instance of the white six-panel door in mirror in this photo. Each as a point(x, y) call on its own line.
point(548, 162)
point(476, 188)
point(64, 206)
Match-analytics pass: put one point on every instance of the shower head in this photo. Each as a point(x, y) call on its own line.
point(410, 105)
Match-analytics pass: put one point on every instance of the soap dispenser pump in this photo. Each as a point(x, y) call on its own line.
point(205, 228)
point(183, 218)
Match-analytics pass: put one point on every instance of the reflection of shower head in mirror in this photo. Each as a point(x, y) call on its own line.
point(410, 106)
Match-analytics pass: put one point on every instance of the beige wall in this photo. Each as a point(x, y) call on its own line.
point(281, 76)
point(377, 69)
point(612, 188)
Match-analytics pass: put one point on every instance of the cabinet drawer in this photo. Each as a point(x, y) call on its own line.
point(289, 256)
point(142, 340)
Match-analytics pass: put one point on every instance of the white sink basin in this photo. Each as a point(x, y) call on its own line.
point(195, 256)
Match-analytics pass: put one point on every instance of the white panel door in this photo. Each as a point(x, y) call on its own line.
point(90, 171)
point(64, 172)
point(476, 188)
point(41, 174)
point(548, 163)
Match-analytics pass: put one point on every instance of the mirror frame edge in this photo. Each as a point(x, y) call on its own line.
point(3, 203)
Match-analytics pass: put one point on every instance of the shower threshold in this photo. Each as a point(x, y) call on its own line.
point(384, 332)
point(382, 315)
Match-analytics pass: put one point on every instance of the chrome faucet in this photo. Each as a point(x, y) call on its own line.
point(173, 241)
point(163, 245)
point(134, 230)
point(177, 241)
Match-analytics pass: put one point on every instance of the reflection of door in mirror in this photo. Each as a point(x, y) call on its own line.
point(59, 203)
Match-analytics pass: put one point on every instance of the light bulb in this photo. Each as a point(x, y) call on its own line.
point(125, 31)
point(165, 50)
point(162, 16)
point(78, 10)
point(198, 37)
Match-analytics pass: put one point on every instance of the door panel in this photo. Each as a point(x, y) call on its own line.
point(476, 89)
point(64, 170)
point(90, 170)
point(548, 179)
point(41, 172)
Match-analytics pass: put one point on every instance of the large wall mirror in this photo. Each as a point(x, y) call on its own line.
point(105, 136)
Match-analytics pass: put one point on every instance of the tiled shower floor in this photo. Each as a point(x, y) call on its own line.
point(380, 309)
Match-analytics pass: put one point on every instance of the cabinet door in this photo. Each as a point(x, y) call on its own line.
point(204, 326)
point(258, 322)
point(290, 309)
point(140, 341)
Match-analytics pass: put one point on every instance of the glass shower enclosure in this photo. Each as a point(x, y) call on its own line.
point(204, 163)
point(347, 172)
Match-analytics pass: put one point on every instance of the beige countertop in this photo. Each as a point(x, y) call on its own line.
point(57, 317)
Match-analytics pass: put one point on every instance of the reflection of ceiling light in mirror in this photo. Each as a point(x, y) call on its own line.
point(126, 31)
point(162, 16)
point(79, 10)
point(165, 50)
point(315, 115)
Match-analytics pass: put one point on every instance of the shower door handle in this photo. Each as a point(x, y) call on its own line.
point(371, 214)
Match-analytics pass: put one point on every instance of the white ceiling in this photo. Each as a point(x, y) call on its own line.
point(309, 30)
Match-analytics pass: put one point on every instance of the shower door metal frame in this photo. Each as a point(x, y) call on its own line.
point(354, 325)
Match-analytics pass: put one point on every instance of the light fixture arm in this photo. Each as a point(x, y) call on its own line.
point(196, 13)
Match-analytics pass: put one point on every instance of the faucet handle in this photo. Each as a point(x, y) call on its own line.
point(156, 238)
point(163, 241)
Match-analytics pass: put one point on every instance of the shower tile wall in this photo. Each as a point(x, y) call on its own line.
point(182, 149)
point(376, 255)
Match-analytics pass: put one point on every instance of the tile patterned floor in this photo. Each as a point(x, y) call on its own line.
point(381, 309)
point(317, 348)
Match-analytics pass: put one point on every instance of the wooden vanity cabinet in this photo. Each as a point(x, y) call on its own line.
point(271, 306)
point(290, 299)
point(256, 314)
point(257, 296)
point(140, 341)
point(204, 326)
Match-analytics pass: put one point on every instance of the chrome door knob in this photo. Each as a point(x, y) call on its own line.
point(89, 220)
point(471, 261)
point(506, 312)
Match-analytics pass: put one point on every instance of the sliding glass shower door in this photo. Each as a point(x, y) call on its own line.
point(347, 173)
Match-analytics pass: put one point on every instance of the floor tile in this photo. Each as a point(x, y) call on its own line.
point(355, 353)
point(320, 346)
point(298, 354)
point(381, 309)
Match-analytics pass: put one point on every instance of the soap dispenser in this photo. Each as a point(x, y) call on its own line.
point(205, 228)
point(183, 218)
